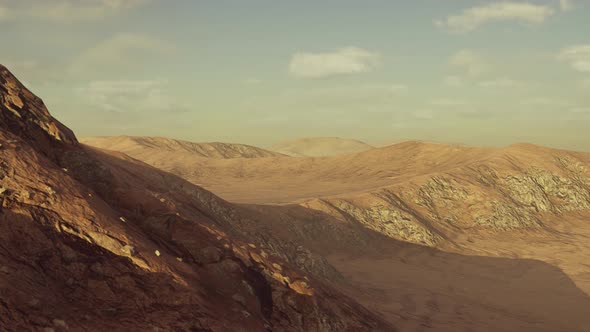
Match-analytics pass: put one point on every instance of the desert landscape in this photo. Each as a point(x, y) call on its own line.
point(125, 233)
point(296, 166)
point(497, 231)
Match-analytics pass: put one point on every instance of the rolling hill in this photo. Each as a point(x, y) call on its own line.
point(320, 147)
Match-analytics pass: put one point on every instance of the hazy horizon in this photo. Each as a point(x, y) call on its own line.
point(273, 144)
point(262, 72)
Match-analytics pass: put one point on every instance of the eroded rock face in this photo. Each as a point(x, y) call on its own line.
point(503, 216)
point(440, 191)
point(387, 218)
point(480, 196)
point(544, 191)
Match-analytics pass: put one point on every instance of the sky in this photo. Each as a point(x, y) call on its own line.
point(486, 73)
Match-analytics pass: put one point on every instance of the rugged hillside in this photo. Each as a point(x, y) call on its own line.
point(286, 180)
point(496, 229)
point(160, 147)
point(320, 147)
point(413, 191)
point(98, 241)
point(519, 187)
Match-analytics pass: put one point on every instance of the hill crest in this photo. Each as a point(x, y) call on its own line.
point(320, 146)
point(215, 150)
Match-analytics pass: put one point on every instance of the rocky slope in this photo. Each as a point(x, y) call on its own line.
point(517, 216)
point(418, 192)
point(160, 147)
point(501, 233)
point(91, 240)
point(320, 147)
point(519, 187)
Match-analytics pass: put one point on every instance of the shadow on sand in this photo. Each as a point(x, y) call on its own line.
point(421, 288)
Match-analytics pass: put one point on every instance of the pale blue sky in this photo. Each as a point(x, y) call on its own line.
point(258, 72)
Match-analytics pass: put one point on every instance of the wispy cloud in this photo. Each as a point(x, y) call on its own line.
point(447, 102)
point(453, 81)
point(472, 18)
point(470, 63)
point(69, 10)
point(120, 56)
point(366, 98)
point(577, 56)
point(365, 95)
point(566, 5)
point(4, 13)
point(423, 114)
point(130, 96)
point(18, 65)
point(546, 102)
point(346, 61)
point(580, 110)
point(252, 81)
point(500, 83)
point(376, 91)
point(40, 72)
point(120, 51)
point(398, 88)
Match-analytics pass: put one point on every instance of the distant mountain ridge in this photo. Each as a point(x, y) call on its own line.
point(321, 147)
point(216, 150)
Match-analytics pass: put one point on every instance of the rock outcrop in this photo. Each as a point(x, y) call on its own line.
point(482, 196)
point(24, 115)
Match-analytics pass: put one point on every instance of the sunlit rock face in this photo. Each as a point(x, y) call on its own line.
point(24, 114)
